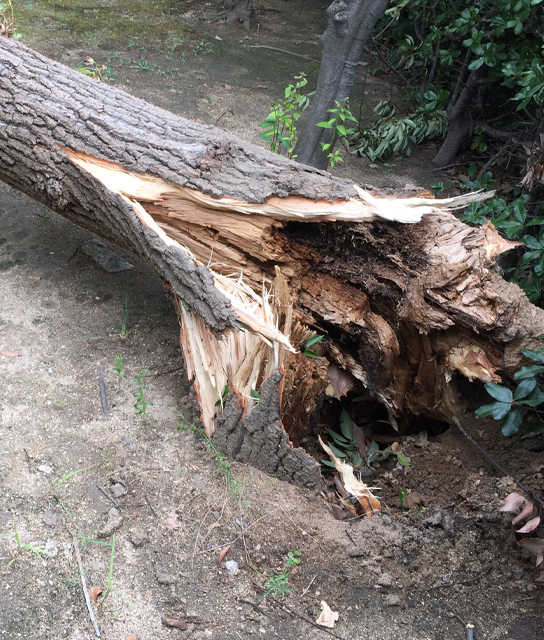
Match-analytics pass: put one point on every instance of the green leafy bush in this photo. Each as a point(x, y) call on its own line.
point(512, 407)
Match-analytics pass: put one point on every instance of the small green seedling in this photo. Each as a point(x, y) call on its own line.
point(278, 583)
point(24, 547)
point(221, 463)
point(118, 368)
point(403, 494)
point(310, 343)
point(124, 324)
point(141, 403)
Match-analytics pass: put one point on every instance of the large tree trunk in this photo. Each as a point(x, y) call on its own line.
point(350, 24)
point(259, 253)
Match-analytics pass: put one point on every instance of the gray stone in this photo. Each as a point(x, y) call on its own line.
point(385, 580)
point(392, 601)
point(104, 256)
point(232, 567)
point(114, 522)
point(118, 490)
point(50, 519)
point(139, 538)
point(165, 578)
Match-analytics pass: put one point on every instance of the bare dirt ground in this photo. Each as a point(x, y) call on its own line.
point(418, 574)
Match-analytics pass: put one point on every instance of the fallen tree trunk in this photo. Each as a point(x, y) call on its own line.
point(260, 254)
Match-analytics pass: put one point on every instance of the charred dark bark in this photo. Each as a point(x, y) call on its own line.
point(350, 24)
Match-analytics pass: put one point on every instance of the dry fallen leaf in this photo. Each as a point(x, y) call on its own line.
point(394, 447)
point(525, 513)
point(213, 526)
point(540, 577)
point(341, 381)
point(9, 354)
point(132, 636)
point(353, 486)
point(327, 617)
point(349, 507)
point(533, 545)
point(513, 502)
point(178, 623)
point(530, 526)
point(35, 277)
point(339, 513)
point(172, 521)
point(539, 559)
point(340, 487)
point(222, 554)
point(95, 592)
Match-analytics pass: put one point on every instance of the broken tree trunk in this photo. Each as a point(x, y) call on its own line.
point(260, 253)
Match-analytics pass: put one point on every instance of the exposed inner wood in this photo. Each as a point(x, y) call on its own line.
point(265, 276)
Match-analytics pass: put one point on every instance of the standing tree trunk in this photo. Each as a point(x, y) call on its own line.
point(291, 252)
point(350, 24)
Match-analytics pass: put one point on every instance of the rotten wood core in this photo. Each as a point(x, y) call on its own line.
point(260, 254)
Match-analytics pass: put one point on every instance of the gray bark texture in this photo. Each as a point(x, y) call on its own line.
point(261, 441)
point(350, 24)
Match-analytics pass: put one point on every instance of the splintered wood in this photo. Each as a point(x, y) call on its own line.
point(254, 269)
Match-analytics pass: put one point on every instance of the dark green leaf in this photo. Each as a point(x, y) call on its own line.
point(311, 354)
point(512, 422)
point(533, 355)
point(524, 388)
point(536, 398)
point(346, 425)
point(500, 393)
point(313, 341)
point(497, 410)
point(254, 394)
point(337, 452)
point(528, 372)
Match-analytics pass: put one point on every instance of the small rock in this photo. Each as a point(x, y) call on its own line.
point(165, 578)
point(392, 601)
point(114, 522)
point(385, 580)
point(414, 499)
point(104, 256)
point(132, 636)
point(51, 548)
point(356, 552)
point(118, 490)
point(421, 439)
point(50, 519)
point(232, 567)
point(139, 538)
point(44, 468)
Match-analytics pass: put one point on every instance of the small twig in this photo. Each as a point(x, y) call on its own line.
point(497, 465)
point(217, 121)
point(290, 53)
point(75, 251)
point(197, 534)
point(163, 373)
point(295, 613)
point(308, 587)
point(448, 166)
point(387, 63)
point(229, 544)
point(84, 585)
point(108, 496)
point(257, 608)
point(350, 536)
point(103, 392)
point(150, 506)
point(28, 460)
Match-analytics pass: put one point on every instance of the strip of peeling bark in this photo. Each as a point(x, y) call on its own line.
point(260, 253)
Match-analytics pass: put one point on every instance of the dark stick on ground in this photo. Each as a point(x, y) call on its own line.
point(103, 392)
point(498, 466)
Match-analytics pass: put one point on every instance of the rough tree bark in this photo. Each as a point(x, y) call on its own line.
point(350, 23)
point(259, 253)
